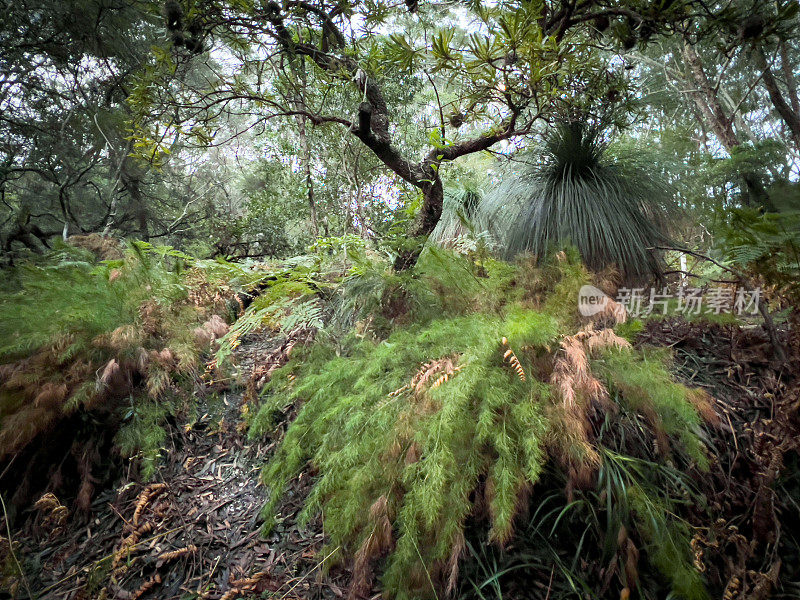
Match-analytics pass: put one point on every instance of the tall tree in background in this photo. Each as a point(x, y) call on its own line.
point(737, 68)
point(494, 72)
point(66, 73)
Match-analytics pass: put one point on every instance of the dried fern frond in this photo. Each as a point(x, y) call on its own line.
point(512, 360)
point(146, 587)
point(704, 404)
point(445, 367)
point(577, 387)
point(145, 497)
point(603, 339)
point(451, 567)
point(376, 543)
point(445, 377)
point(172, 555)
point(54, 514)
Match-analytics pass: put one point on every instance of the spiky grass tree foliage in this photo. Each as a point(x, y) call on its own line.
point(572, 192)
point(454, 420)
point(458, 211)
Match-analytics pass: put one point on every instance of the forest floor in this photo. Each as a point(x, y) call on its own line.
point(194, 531)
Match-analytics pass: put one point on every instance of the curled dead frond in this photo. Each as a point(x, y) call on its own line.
point(172, 555)
point(445, 377)
point(54, 514)
point(512, 360)
point(697, 544)
point(242, 586)
point(146, 587)
point(444, 367)
point(145, 497)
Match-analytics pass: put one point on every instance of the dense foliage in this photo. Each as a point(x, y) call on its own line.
point(457, 418)
point(116, 344)
point(362, 229)
point(614, 212)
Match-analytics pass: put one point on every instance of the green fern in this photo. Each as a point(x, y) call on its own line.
point(425, 461)
point(418, 429)
point(77, 332)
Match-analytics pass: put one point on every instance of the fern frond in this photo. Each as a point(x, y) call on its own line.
point(512, 360)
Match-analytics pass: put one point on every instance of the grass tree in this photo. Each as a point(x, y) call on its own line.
point(572, 191)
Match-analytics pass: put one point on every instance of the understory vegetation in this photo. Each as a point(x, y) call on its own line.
point(115, 345)
point(452, 421)
point(404, 300)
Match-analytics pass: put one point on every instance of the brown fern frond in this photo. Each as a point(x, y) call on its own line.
point(103, 246)
point(399, 391)
point(54, 514)
point(124, 550)
point(704, 404)
point(232, 593)
point(451, 568)
point(512, 360)
point(605, 338)
point(113, 379)
point(145, 496)
point(122, 338)
point(210, 331)
point(144, 529)
point(375, 544)
point(172, 555)
point(412, 454)
point(20, 428)
point(444, 367)
point(146, 587)
point(577, 388)
point(444, 377)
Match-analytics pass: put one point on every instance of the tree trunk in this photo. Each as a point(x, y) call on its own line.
point(789, 116)
point(306, 158)
point(707, 101)
point(788, 75)
point(130, 178)
point(428, 217)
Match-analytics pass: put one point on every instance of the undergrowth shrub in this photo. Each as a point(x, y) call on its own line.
point(121, 339)
point(610, 531)
point(289, 300)
point(413, 440)
point(453, 420)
